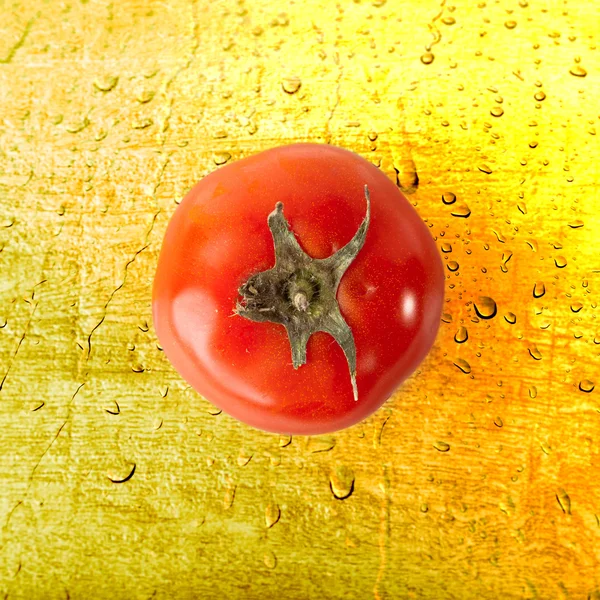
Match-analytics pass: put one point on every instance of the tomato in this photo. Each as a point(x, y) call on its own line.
point(222, 240)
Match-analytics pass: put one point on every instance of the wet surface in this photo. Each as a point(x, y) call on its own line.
point(476, 479)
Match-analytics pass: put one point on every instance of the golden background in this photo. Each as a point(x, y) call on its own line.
point(479, 479)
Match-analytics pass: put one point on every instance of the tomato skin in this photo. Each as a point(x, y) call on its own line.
point(391, 295)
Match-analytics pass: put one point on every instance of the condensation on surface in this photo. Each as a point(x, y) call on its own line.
point(476, 479)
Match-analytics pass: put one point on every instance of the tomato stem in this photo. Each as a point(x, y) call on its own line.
point(299, 292)
point(301, 301)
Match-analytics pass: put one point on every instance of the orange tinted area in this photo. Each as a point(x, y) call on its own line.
point(477, 479)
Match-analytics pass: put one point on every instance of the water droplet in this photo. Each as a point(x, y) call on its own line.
point(522, 208)
point(243, 458)
point(463, 365)
point(341, 482)
point(510, 24)
point(220, 158)
point(540, 97)
point(448, 20)
point(78, 126)
point(228, 496)
point(446, 317)
point(560, 262)
point(578, 71)
point(539, 289)
point(448, 198)
point(272, 514)
point(461, 336)
point(485, 169)
point(576, 307)
point(586, 385)
point(142, 123)
point(35, 405)
point(533, 392)
point(576, 224)
point(532, 244)
point(100, 134)
point(270, 560)
point(506, 256)
point(291, 84)
point(461, 210)
point(285, 440)
point(274, 459)
point(452, 266)
point(320, 444)
point(283, 20)
point(407, 178)
point(485, 307)
point(441, 446)
point(510, 318)
point(424, 508)
point(499, 236)
point(106, 84)
point(372, 135)
point(427, 58)
point(497, 111)
point(498, 422)
point(122, 473)
point(219, 134)
point(534, 352)
point(145, 96)
point(446, 247)
point(564, 501)
point(251, 128)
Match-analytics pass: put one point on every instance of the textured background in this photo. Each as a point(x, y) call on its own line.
point(477, 480)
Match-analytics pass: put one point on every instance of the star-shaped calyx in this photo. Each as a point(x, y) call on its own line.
point(300, 292)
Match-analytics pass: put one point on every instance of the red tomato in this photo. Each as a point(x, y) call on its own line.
point(390, 296)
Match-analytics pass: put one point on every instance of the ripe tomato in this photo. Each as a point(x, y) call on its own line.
point(220, 238)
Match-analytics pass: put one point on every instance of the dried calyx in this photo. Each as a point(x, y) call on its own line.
point(299, 292)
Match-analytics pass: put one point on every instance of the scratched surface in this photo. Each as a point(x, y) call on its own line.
point(477, 480)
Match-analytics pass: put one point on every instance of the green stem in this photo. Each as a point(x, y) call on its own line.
point(299, 292)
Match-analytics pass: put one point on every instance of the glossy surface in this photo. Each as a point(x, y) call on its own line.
point(391, 296)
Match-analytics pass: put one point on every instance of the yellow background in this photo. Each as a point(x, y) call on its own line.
point(464, 485)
